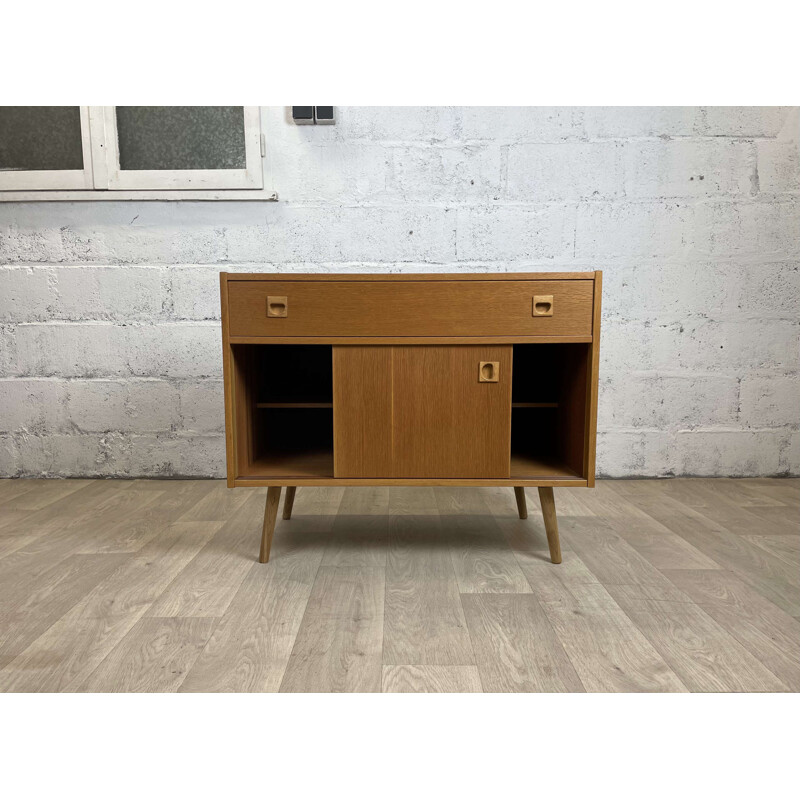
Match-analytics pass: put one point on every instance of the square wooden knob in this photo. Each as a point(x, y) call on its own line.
point(543, 305)
point(277, 306)
point(489, 372)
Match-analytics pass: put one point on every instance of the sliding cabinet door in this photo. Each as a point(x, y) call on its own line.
point(362, 412)
point(422, 411)
point(452, 411)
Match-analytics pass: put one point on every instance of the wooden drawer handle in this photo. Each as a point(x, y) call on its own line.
point(489, 372)
point(543, 305)
point(277, 306)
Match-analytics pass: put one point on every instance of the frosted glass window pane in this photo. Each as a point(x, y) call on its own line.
point(181, 137)
point(40, 138)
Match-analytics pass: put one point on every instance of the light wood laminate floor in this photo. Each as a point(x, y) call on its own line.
point(671, 585)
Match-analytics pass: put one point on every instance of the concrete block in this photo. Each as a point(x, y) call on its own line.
point(337, 172)
point(202, 406)
point(767, 291)
point(8, 350)
point(658, 292)
point(516, 232)
point(27, 245)
point(195, 292)
point(688, 168)
point(626, 347)
point(632, 453)
point(622, 122)
point(640, 230)
point(745, 121)
point(736, 453)
point(311, 234)
point(68, 455)
point(423, 174)
point(159, 243)
point(725, 346)
point(778, 167)
point(95, 406)
point(26, 294)
point(86, 350)
point(33, 405)
point(564, 171)
point(789, 460)
point(9, 458)
point(112, 293)
point(518, 123)
point(116, 232)
point(174, 350)
point(151, 406)
point(177, 455)
point(82, 350)
point(769, 400)
point(399, 124)
point(667, 402)
point(749, 229)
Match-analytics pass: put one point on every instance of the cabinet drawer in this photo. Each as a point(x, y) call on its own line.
point(411, 308)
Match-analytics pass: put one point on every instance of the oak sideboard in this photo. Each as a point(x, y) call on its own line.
point(411, 380)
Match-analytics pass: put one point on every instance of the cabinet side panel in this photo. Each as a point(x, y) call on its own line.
point(574, 397)
point(244, 433)
point(362, 412)
point(227, 373)
point(448, 423)
point(591, 411)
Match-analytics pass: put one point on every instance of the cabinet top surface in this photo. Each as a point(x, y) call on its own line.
point(406, 276)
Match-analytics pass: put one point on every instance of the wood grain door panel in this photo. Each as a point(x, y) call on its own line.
point(446, 421)
point(362, 412)
point(421, 411)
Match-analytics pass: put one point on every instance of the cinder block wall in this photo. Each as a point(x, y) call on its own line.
point(110, 348)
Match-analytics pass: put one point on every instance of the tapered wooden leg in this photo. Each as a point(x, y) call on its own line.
point(288, 502)
point(270, 515)
point(522, 505)
point(550, 522)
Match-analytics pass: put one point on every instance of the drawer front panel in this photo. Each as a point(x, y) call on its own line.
point(411, 308)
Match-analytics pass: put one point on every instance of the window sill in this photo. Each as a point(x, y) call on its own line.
point(143, 194)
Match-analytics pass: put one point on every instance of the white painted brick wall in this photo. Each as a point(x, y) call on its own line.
point(110, 357)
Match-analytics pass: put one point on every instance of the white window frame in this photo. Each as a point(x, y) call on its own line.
point(102, 178)
point(118, 179)
point(41, 179)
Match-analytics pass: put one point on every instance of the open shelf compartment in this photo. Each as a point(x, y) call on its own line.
point(284, 410)
point(549, 410)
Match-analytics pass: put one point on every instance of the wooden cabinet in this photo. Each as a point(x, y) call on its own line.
point(411, 380)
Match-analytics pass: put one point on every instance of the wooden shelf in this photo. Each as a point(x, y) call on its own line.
point(319, 464)
point(534, 405)
point(301, 464)
point(294, 405)
point(524, 466)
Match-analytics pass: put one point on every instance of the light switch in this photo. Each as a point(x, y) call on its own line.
point(303, 115)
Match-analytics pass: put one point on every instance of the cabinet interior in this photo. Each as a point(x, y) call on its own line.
point(548, 410)
point(284, 407)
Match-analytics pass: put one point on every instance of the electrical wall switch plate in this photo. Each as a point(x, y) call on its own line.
point(324, 115)
point(303, 115)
